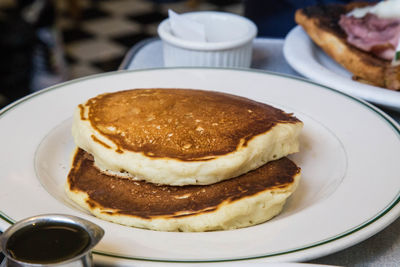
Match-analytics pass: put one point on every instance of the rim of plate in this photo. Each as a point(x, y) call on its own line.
point(384, 212)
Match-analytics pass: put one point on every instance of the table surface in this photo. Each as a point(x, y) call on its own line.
point(382, 249)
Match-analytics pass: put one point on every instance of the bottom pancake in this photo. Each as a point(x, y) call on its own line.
point(249, 199)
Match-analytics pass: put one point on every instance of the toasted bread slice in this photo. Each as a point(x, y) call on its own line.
point(321, 24)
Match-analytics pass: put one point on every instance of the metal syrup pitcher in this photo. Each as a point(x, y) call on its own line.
point(50, 240)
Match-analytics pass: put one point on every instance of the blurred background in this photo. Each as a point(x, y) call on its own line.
point(45, 42)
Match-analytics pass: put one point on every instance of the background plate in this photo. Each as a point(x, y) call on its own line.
point(349, 156)
point(310, 61)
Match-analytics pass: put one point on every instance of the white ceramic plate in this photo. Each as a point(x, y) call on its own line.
point(349, 159)
point(310, 61)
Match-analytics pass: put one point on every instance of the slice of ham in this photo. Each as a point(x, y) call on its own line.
point(372, 34)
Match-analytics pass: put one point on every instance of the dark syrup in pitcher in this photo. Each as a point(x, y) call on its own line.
point(48, 243)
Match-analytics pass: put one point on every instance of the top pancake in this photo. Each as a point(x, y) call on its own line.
point(156, 134)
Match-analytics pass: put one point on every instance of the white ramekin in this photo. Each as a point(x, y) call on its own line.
point(230, 45)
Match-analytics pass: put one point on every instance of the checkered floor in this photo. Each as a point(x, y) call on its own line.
point(97, 40)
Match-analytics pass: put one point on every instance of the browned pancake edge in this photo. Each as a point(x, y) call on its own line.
point(148, 201)
point(183, 124)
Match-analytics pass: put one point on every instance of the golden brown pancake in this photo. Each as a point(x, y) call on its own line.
point(223, 122)
point(246, 200)
point(182, 136)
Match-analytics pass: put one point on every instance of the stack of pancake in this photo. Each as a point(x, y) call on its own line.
point(182, 159)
